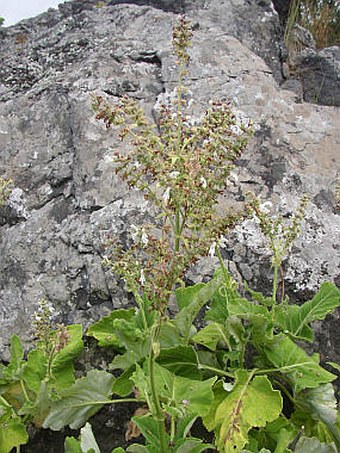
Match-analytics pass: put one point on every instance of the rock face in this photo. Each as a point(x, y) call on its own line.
point(67, 200)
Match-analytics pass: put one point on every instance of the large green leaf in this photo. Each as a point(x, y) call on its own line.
point(181, 360)
point(103, 330)
point(303, 370)
point(35, 369)
point(149, 428)
point(211, 335)
point(200, 296)
point(313, 445)
point(191, 396)
point(11, 372)
point(185, 295)
point(12, 432)
point(276, 435)
point(251, 403)
point(80, 401)
point(62, 370)
point(320, 403)
point(296, 319)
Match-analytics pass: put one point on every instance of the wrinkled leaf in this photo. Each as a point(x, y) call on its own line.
point(251, 403)
point(320, 403)
point(80, 401)
point(313, 445)
point(12, 433)
point(62, 367)
point(303, 370)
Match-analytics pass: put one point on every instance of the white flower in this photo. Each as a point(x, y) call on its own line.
point(265, 207)
point(174, 174)
point(212, 250)
point(144, 237)
point(134, 232)
point(142, 279)
point(166, 195)
point(203, 182)
point(228, 386)
point(223, 242)
point(232, 178)
point(255, 219)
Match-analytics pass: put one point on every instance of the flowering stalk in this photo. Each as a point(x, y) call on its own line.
point(280, 236)
point(181, 166)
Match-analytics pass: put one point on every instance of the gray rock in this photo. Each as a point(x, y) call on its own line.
point(68, 202)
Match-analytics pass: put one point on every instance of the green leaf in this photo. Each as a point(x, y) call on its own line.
point(251, 403)
point(191, 445)
point(313, 445)
point(149, 428)
point(287, 317)
point(276, 435)
point(169, 335)
point(296, 319)
point(118, 450)
point(199, 297)
point(245, 309)
point(259, 297)
point(35, 369)
point(191, 396)
point(334, 365)
point(103, 330)
point(87, 440)
point(185, 295)
point(62, 370)
point(80, 401)
point(72, 445)
point(320, 403)
point(181, 360)
point(303, 370)
point(17, 354)
point(137, 448)
point(123, 385)
point(211, 335)
point(12, 433)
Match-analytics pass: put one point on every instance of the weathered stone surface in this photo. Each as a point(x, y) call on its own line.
point(67, 200)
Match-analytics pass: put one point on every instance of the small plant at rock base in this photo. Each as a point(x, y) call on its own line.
point(6, 187)
point(29, 386)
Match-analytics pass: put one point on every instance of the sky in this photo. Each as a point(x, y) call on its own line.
point(15, 10)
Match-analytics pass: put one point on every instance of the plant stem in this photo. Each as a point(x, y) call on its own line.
point(177, 231)
point(216, 370)
point(159, 416)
